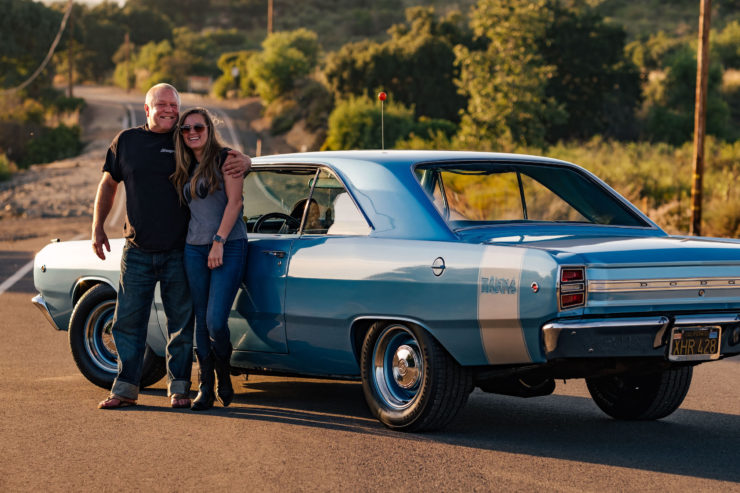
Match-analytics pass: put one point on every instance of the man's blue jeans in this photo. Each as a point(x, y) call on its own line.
point(140, 272)
point(213, 294)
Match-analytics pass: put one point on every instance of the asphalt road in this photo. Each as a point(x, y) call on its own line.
point(314, 435)
point(306, 435)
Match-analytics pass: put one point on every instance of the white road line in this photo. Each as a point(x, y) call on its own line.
point(131, 116)
point(9, 282)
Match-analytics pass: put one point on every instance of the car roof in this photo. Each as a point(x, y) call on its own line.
point(383, 184)
point(399, 158)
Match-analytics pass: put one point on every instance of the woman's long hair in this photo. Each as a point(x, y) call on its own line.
point(207, 170)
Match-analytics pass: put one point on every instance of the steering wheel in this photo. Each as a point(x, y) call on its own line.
point(288, 221)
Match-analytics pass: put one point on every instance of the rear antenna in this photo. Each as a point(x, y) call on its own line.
point(382, 96)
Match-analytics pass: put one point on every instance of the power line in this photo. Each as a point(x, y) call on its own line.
point(50, 53)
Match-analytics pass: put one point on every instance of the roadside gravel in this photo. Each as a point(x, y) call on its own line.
point(63, 189)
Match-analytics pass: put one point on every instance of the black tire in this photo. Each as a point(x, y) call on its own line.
point(410, 382)
point(641, 397)
point(91, 340)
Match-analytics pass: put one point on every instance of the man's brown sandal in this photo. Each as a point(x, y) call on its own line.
point(115, 402)
point(179, 401)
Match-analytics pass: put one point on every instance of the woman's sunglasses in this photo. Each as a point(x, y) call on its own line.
point(198, 127)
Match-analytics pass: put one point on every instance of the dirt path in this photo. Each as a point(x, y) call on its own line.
point(62, 190)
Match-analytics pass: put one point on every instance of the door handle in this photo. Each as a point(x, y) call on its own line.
point(274, 253)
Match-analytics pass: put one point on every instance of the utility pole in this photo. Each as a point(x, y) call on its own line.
point(270, 14)
point(71, 55)
point(700, 115)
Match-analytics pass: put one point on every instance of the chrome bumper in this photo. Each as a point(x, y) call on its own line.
point(40, 303)
point(629, 336)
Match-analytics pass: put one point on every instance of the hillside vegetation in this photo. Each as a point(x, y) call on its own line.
point(607, 84)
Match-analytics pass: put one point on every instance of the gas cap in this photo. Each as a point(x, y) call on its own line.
point(438, 266)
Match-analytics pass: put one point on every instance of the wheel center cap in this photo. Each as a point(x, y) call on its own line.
point(406, 367)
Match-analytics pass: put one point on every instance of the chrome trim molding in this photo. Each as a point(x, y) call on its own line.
point(662, 284)
point(40, 303)
point(684, 320)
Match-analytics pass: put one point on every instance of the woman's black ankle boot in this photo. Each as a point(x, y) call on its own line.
point(206, 377)
point(224, 391)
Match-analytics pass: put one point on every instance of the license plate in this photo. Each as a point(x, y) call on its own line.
point(694, 343)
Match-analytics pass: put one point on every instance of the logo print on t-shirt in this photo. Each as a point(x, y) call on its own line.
point(166, 150)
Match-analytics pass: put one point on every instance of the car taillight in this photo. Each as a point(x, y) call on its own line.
point(571, 274)
point(572, 292)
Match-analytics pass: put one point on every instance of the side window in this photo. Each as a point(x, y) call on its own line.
point(273, 198)
point(289, 201)
point(477, 197)
point(544, 205)
point(332, 210)
point(431, 182)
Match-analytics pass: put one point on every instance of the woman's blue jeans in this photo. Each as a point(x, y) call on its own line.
point(213, 292)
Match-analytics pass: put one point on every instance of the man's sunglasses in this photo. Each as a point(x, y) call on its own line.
point(198, 127)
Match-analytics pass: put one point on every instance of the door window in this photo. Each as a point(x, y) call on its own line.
point(293, 201)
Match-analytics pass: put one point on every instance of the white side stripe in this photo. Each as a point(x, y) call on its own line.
point(499, 288)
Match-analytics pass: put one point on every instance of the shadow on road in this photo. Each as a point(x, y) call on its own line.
point(689, 443)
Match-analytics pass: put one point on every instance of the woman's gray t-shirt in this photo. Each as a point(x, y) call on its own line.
point(206, 212)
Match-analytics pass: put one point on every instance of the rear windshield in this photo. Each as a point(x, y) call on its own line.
point(479, 194)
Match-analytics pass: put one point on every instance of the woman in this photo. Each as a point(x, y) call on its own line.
point(215, 249)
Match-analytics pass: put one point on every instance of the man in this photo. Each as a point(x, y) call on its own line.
point(155, 230)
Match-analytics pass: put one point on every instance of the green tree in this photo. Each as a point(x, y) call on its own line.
point(670, 115)
point(726, 45)
point(193, 14)
point(356, 124)
point(506, 82)
point(145, 23)
point(28, 29)
point(155, 63)
point(416, 64)
point(649, 54)
point(226, 81)
point(595, 84)
point(285, 58)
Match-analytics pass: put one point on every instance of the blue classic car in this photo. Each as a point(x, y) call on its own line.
point(427, 274)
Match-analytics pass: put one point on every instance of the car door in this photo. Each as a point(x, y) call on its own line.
point(272, 198)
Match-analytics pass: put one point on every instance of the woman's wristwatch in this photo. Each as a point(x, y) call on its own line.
point(218, 239)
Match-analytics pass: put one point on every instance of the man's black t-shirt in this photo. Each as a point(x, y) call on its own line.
point(144, 161)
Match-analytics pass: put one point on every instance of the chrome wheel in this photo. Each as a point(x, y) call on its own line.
point(398, 367)
point(98, 339)
point(91, 340)
point(410, 382)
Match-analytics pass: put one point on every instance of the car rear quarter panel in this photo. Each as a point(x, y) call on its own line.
point(517, 294)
